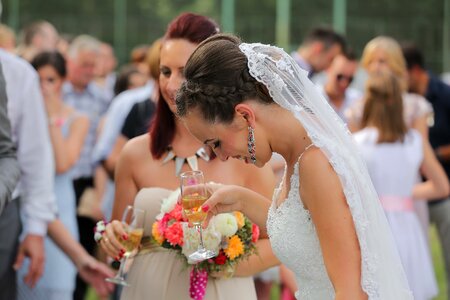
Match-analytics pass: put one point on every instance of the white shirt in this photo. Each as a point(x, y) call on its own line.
point(351, 96)
point(34, 151)
point(115, 117)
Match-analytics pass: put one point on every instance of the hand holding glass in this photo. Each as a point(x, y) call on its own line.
point(193, 195)
point(134, 226)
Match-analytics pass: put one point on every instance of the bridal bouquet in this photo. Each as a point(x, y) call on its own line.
point(231, 235)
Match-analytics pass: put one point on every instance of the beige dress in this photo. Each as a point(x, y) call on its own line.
point(159, 273)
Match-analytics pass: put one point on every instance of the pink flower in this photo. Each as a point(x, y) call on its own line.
point(174, 234)
point(176, 213)
point(162, 224)
point(255, 233)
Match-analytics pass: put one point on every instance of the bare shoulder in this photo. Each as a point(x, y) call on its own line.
point(136, 148)
point(318, 180)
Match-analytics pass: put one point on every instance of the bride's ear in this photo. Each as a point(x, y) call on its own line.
point(246, 113)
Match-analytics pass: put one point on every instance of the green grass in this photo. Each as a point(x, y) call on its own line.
point(439, 267)
point(437, 260)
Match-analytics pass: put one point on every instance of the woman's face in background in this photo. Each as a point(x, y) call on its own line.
point(378, 62)
point(174, 56)
point(51, 82)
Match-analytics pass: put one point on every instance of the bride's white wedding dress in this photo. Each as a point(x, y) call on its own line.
point(294, 240)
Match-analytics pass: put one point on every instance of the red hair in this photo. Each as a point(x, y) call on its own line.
point(195, 29)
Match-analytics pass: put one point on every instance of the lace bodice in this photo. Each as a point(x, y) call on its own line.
point(295, 242)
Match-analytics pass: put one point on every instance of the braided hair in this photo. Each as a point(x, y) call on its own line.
point(217, 79)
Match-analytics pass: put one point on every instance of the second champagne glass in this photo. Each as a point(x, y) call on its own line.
point(193, 195)
point(134, 226)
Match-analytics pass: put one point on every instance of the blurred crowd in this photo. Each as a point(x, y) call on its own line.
point(67, 110)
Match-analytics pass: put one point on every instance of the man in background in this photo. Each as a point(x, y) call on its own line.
point(437, 93)
point(318, 49)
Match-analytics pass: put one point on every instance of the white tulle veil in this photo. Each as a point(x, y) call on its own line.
point(382, 274)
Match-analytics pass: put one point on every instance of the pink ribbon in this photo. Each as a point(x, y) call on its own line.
point(198, 282)
point(397, 203)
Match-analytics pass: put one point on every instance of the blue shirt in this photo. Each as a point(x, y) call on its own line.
point(438, 94)
point(93, 102)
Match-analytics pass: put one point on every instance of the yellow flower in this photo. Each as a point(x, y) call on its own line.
point(235, 247)
point(239, 218)
point(156, 235)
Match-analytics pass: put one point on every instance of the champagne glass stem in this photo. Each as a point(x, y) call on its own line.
point(123, 262)
point(200, 232)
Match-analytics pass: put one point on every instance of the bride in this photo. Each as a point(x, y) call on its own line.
point(325, 223)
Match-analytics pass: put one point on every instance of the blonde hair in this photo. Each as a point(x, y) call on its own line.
point(394, 57)
point(6, 35)
point(152, 58)
point(383, 106)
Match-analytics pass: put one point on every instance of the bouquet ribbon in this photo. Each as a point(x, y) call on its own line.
point(198, 282)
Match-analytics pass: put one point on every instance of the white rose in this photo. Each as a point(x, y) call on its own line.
point(191, 240)
point(168, 204)
point(225, 224)
point(212, 239)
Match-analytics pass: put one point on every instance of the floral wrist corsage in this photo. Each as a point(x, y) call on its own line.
point(99, 229)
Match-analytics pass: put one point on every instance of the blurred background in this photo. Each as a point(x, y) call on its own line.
point(127, 23)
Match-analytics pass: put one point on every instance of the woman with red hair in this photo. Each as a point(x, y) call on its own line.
point(147, 172)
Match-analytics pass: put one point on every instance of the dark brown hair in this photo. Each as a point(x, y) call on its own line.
point(383, 107)
point(217, 79)
point(193, 28)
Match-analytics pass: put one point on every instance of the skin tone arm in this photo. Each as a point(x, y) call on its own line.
point(437, 184)
point(67, 150)
point(420, 124)
point(88, 267)
point(126, 190)
point(110, 162)
point(322, 194)
point(262, 182)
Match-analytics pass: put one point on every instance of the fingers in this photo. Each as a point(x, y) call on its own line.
point(19, 259)
point(35, 270)
point(110, 243)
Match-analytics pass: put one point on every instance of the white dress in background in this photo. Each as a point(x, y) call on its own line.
point(393, 168)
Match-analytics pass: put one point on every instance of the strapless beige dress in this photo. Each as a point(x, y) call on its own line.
point(159, 273)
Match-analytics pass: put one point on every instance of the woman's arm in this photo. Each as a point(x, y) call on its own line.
point(111, 161)
point(67, 150)
point(261, 181)
point(126, 187)
point(322, 194)
point(88, 267)
point(126, 190)
point(229, 198)
point(437, 185)
point(421, 125)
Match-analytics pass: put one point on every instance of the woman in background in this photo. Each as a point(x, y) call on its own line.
point(394, 155)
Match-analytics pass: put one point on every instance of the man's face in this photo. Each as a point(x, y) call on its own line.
point(340, 74)
point(81, 68)
point(324, 57)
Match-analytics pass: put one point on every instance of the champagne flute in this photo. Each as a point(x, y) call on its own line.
point(134, 226)
point(193, 195)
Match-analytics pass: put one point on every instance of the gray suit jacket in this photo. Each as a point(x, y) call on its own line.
point(9, 168)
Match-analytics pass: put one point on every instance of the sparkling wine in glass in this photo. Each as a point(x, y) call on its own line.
point(133, 221)
point(193, 195)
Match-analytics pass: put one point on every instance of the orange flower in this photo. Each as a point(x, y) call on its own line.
point(240, 219)
point(156, 235)
point(235, 247)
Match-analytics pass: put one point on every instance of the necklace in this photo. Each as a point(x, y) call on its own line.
point(191, 160)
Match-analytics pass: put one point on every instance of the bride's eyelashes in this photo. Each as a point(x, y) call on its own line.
point(216, 145)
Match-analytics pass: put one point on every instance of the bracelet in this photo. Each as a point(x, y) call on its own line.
point(56, 121)
point(99, 229)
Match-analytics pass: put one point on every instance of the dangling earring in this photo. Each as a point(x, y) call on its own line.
point(251, 144)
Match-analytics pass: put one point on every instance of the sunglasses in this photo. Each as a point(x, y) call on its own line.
point(341, 77)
